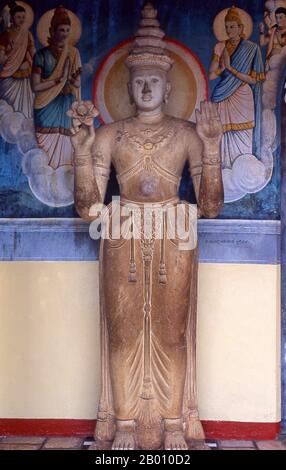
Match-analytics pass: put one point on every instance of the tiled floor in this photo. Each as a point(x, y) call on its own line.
point(78, 443)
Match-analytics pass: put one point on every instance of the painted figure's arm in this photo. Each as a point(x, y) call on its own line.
point(205, 161)
point(31, 51)
point(38, 84)
point(76, 70)
point(216, 66)
point(244, 77)
point(6, 47)
point(263, 38)
point(3, 56)
point(31, 45)
point(74, 79)
point(92, 160)
point(27, 64)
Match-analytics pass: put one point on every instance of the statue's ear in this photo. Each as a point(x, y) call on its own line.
point(168, 88)
point(131, 99)
point(168, 91)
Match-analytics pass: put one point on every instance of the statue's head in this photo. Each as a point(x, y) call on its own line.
point(233, 24)
point(17, 14)
point(148, 87)
point(149, 64)
point(280, 16)
point(60, 26)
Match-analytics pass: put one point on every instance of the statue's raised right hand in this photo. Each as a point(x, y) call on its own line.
point(209, 127)
point(82, 114)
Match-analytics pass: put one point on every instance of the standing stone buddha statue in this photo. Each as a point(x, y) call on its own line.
point(148, 284)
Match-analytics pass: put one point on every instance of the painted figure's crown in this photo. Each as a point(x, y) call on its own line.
point(60, 16)
point(233, 15)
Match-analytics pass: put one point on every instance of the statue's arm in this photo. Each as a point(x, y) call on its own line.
point(92, 167)
point(205, 162)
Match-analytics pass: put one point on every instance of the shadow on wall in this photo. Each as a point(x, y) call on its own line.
point(283, 248)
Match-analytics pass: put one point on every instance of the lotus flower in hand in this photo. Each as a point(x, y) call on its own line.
point(83, 112)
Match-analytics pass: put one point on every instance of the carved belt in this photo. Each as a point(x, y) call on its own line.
point(145, 219)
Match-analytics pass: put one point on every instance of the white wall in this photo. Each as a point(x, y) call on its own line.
point(49, 341)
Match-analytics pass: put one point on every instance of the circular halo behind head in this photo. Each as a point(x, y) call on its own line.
point(43, 28)
point(189, 84)
point(29, 13)
point(219, 22)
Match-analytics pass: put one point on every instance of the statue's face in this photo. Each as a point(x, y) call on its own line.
point(281, 20)
point(62, 33)
point(233, 29)
point(148, 88)
point(19, 18)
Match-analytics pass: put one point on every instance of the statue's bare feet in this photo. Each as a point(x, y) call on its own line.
point(174, 440)
point(124, 440)
point(194, 429)
point(125, 437)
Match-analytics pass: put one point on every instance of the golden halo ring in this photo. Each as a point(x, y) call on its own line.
point(43, 27)
point(29, 14)
point(219, 24)
point(187, 76)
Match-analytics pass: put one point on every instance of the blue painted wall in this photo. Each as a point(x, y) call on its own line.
point(105, 23)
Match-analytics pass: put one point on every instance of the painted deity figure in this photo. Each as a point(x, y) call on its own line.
point(56, 83)
point(237, 64)
point(275, 38)
point(16, 56)
point(147, 284)
point(4, 19)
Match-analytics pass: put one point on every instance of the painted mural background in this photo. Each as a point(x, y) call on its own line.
point(106, 23)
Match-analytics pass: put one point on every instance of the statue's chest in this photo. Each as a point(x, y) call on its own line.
point(148, 145)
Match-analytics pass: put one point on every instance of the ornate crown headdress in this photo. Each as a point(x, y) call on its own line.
point(148, 48)
point(60, 16)
point(233, 15)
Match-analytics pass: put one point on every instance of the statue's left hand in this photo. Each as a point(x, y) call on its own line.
point(82, 114)
point(209, 126)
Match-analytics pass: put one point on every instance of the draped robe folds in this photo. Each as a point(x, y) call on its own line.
point(150, 390)
point(51, 106)
point(239, 104)
point(15, 87)
point(148, 302)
